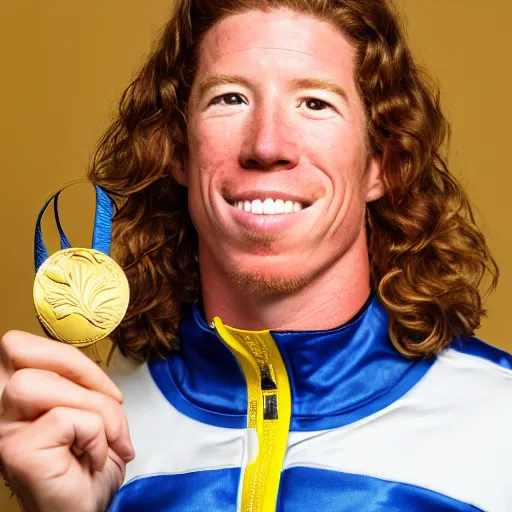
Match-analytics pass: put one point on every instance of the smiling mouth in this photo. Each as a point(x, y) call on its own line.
point(268, 206)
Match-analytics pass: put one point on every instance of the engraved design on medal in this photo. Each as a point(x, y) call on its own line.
point(81, 295)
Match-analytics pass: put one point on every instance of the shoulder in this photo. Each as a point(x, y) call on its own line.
point(474, 379)
point(475, 365)
point(482, 354)
point(472, 358)
point(452, 430)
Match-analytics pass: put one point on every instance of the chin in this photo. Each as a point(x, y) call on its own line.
point(271, 284)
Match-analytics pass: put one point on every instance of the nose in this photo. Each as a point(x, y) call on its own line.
point(270, 143)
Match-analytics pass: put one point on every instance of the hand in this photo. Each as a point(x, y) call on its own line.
point(64, 439)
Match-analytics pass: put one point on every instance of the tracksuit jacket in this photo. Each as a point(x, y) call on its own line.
point(327, 421)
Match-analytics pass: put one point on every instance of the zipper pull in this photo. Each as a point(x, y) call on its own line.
point(269, 399)
point(267, 383)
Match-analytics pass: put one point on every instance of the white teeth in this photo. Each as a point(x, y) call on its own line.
point(257, 207)
point(268, 206)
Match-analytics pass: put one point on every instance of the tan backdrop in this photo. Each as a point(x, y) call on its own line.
point(65, 64)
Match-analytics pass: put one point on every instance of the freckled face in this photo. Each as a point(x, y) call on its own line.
point(278, 170)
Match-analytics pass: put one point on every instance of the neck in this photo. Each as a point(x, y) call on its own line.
point(330, 299)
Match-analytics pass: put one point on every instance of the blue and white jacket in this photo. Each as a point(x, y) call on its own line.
point(330, 421)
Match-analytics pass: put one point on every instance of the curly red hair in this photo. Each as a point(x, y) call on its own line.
point(427, 255)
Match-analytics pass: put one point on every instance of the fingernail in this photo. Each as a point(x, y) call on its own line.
point(118, 394)
point(129, 458)
point(128, 450)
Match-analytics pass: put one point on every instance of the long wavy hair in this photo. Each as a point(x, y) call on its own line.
point(427, 255)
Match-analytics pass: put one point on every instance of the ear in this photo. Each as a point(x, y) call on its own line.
point(374, 184)
point(179, 171)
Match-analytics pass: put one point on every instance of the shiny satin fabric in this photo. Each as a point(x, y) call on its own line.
point(312, 489)
point(205, 491)
point(370, 429)
point(336, 376)
point(102, 230)
point(302, 490)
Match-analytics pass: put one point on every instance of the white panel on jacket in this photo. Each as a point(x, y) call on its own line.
point(165, 440)
point(451, 433)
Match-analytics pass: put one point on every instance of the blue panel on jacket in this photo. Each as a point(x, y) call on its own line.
point(337, 376)
point(214, 491)
point(308, 489)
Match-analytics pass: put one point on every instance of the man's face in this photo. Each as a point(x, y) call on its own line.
point(278, 169)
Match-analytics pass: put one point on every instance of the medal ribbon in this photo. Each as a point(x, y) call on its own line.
point(102, 232)
point(80, 295)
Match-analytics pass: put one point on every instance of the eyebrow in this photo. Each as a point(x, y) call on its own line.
point(299, 83)
point(319, 83)
point(215, 80)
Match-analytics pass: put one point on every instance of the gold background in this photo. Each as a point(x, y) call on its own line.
point(64, 65)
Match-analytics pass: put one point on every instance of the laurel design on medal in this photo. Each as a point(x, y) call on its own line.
point(81, 295)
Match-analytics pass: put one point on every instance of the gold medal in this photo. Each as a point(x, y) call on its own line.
point(80, 295)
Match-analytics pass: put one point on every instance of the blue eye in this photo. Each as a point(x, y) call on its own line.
point(228, 99)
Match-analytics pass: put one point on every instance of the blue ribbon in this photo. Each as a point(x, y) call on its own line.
point(102, 233)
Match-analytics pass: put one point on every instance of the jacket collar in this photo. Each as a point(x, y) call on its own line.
point(336, 376)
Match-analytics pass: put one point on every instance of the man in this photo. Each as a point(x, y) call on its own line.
point(307, 147)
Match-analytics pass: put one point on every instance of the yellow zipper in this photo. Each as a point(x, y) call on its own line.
point(268, 413)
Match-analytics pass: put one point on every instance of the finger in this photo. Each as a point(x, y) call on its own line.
point(42, 449)
point(114, 471)
point(20, 350)
point(7, 426)
point(31, 393)
point(83, 429)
